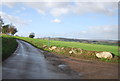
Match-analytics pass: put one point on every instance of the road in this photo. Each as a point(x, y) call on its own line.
point(29, 63)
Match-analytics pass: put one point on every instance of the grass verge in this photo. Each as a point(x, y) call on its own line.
point(9, 45)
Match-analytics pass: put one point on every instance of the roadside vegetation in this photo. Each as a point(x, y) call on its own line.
point(9, 45)
point(88, 49)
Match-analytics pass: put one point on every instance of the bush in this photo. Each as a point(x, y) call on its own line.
point(31, 36)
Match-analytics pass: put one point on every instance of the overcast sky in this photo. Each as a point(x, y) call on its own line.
point(82, 20)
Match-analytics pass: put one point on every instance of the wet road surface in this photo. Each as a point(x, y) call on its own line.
point(29, 63)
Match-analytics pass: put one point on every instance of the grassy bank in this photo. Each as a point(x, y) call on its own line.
point(90, 47)
point(9, 45)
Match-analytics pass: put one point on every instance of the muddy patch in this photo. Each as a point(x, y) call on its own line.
point(82, 68)
point(60, 65)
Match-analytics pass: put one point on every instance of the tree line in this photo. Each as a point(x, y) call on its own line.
point(8, 29)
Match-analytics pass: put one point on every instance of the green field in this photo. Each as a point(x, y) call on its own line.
point(90, 47)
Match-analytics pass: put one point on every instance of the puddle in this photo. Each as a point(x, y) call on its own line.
point(62, 66)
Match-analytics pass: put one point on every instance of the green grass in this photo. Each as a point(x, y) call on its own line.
point(90, 47)
point(109, 60)
point(9, 45)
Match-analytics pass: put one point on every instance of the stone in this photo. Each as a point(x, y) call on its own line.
point(80, 50)
point(76, 50)
point(50, 49)
point(106, 55)
point(62, 48)
point(73, 50)
point(44, 46)
point(62, 66)
point(70, 52)
point(53, 48)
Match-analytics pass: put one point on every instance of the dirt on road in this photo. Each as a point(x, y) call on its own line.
point(83, 69)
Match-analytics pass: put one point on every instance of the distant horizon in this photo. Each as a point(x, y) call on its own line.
point(87, 39)
point(76, 38)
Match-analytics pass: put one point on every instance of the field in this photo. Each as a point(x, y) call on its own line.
point(9, 45)
point(90, 47)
